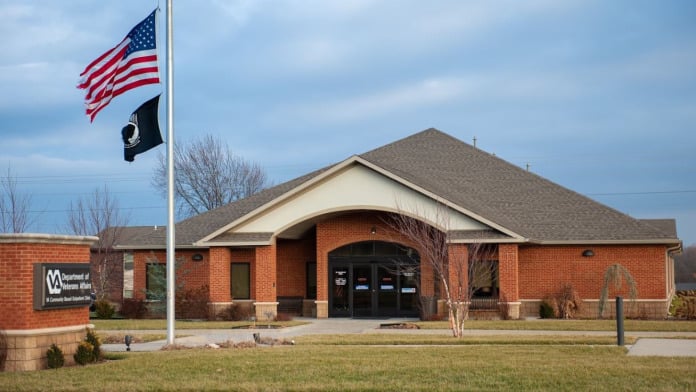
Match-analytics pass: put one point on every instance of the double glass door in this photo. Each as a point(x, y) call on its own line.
point(372, 289)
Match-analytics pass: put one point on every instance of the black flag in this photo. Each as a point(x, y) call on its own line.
point(142, 132)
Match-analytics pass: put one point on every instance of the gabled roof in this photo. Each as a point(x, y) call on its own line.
point(510, 200)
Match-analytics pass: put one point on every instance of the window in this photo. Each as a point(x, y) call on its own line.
point(240, 278)
point(127, 275)
point(156, 282)
point(311, 280)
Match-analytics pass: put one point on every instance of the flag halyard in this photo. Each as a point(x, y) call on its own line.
point(130, 64)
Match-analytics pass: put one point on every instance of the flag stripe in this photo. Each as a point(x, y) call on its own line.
point(130, 64)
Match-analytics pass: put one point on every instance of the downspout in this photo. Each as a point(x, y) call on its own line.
point(671, 252)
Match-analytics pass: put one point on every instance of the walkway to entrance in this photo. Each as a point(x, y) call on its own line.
point(651, 343)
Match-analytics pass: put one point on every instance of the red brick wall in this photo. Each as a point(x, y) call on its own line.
point(265, 277)
point(16, 285)
point(355, 227)
point(219, 274)
point(292, 258)
point(508, 268)
point(543, 269)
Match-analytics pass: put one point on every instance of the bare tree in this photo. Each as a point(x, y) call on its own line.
point(208, 175)
point(99, 214)
point(460, 271)
point(14, 206)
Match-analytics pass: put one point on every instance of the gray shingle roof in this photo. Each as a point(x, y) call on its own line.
point(520, 201)
point(476, 181)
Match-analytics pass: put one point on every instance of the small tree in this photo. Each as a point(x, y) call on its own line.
point(458, 270)
point(613, 277)
point(99, 214)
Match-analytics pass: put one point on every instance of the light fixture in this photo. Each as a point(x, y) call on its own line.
point(197, 257)
point(128, 340)
point(373, 230)
point(587, 253)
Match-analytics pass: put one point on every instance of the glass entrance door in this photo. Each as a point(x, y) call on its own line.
point(339, 300)
point(363, 291)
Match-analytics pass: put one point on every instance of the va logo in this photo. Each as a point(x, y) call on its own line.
point(55, 283)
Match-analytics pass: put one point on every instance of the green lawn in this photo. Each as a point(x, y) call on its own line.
point(311, 366)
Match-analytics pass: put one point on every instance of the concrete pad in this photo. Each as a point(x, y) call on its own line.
point(664, 347)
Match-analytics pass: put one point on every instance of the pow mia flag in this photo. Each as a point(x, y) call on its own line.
point(142, 132)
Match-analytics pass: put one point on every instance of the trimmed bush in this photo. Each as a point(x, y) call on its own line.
point(84, 353)
point(94, 340)
point(546, 310)
point(104, 309)
point(55, 357)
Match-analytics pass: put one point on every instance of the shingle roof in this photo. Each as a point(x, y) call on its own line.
point(479, 183)
point(516, 199)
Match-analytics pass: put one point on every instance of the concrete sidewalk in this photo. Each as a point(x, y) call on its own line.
point(649, 343)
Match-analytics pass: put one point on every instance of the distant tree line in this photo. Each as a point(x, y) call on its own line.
point(685, 265)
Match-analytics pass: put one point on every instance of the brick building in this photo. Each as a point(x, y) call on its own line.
point(321, 244)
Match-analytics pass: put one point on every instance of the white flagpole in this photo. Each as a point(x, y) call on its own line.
point(171, 238)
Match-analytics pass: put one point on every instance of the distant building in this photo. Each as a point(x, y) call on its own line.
point(319, 244)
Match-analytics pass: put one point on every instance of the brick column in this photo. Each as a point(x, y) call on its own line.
point(265, 289)
point(219, 279)
point(508, 275)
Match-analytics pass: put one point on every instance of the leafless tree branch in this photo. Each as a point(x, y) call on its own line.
point(208, 175)
point(14, 206)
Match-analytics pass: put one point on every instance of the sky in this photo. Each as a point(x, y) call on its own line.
point(597, 96)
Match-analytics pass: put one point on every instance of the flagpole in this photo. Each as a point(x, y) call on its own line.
point(171, 238)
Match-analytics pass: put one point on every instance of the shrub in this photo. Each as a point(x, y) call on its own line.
point(3, 349)
point(546, 310)
point(104, 309)
point(94, 340)
point(283, 317)
point(55, 357)
point(234, 312)
point(565, 304)
point(683, 305)
point(84, 353)
point(133, 308)
point(192, 303)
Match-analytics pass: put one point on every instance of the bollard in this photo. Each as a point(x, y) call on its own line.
point(619, 321)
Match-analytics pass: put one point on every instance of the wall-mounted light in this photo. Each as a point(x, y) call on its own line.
point(197, 257)
point(373, 230)
point(587, 253)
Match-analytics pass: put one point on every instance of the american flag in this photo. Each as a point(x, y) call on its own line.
point(130, 64)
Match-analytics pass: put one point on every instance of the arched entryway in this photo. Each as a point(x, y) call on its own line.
point(373, 279)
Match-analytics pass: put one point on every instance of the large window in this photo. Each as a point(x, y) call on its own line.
point(156, 282)
point(240, 281)
point(128, 275)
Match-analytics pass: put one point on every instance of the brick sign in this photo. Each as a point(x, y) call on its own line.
point(61, 285)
